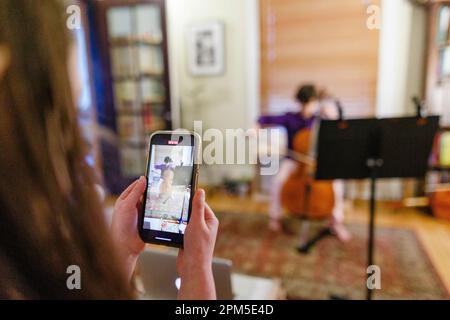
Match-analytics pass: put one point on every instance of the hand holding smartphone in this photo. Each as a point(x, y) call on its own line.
point(172, 173)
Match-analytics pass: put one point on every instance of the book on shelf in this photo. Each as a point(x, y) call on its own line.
point(153, 118)
point(132, 160)
point(157, 124)
point(159, 110)
point(133, 40)
point(147, 115)
point(123, 61)
point(445, 149)
point(152, 90)
point(125, 93)
point(130, 128)
point(136, 62)
point(150, 60)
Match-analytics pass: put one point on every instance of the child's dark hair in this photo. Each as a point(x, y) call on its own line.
point(306, 93)
point(167, 159)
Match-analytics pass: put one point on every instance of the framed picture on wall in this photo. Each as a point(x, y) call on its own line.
point(205, 49)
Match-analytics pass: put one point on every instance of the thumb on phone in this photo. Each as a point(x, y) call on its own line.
point(138, 190)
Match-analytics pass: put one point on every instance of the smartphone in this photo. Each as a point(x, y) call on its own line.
point(172, 174)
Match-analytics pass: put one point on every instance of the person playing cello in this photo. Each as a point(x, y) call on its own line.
point(312, 107)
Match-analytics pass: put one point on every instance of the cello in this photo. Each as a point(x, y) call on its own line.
point(301, 194)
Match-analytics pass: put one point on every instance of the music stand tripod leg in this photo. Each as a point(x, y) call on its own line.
point(373, 164)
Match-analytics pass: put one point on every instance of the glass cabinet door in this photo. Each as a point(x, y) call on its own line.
point(135, 38)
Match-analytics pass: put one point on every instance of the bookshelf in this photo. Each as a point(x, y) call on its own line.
point(441, 151)
point(438, 91)
point(131, 75)
point(438, 177)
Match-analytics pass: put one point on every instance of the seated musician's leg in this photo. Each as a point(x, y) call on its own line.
point(337, 219)
point(287, 167)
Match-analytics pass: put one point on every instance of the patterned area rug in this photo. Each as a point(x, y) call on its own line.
point(331, 268)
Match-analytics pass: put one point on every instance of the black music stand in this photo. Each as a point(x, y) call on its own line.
point(374, 148)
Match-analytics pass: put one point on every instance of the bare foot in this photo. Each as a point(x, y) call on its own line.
point(275, 226)
point(341, 232)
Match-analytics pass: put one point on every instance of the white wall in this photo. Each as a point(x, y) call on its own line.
point(230, 100)
point(402, 50)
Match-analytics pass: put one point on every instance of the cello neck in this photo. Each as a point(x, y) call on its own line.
point(340, 109)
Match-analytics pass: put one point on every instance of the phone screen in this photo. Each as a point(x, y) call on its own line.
point(169, 179)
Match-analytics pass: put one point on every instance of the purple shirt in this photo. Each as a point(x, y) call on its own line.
point(293, 122)
point(164, 166)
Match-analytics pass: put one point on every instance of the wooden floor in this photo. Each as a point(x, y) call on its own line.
point(434, 234)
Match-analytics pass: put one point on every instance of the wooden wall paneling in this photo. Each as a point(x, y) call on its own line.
point(321, 41)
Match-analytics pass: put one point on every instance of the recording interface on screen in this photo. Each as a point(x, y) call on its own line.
point(169, 188)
